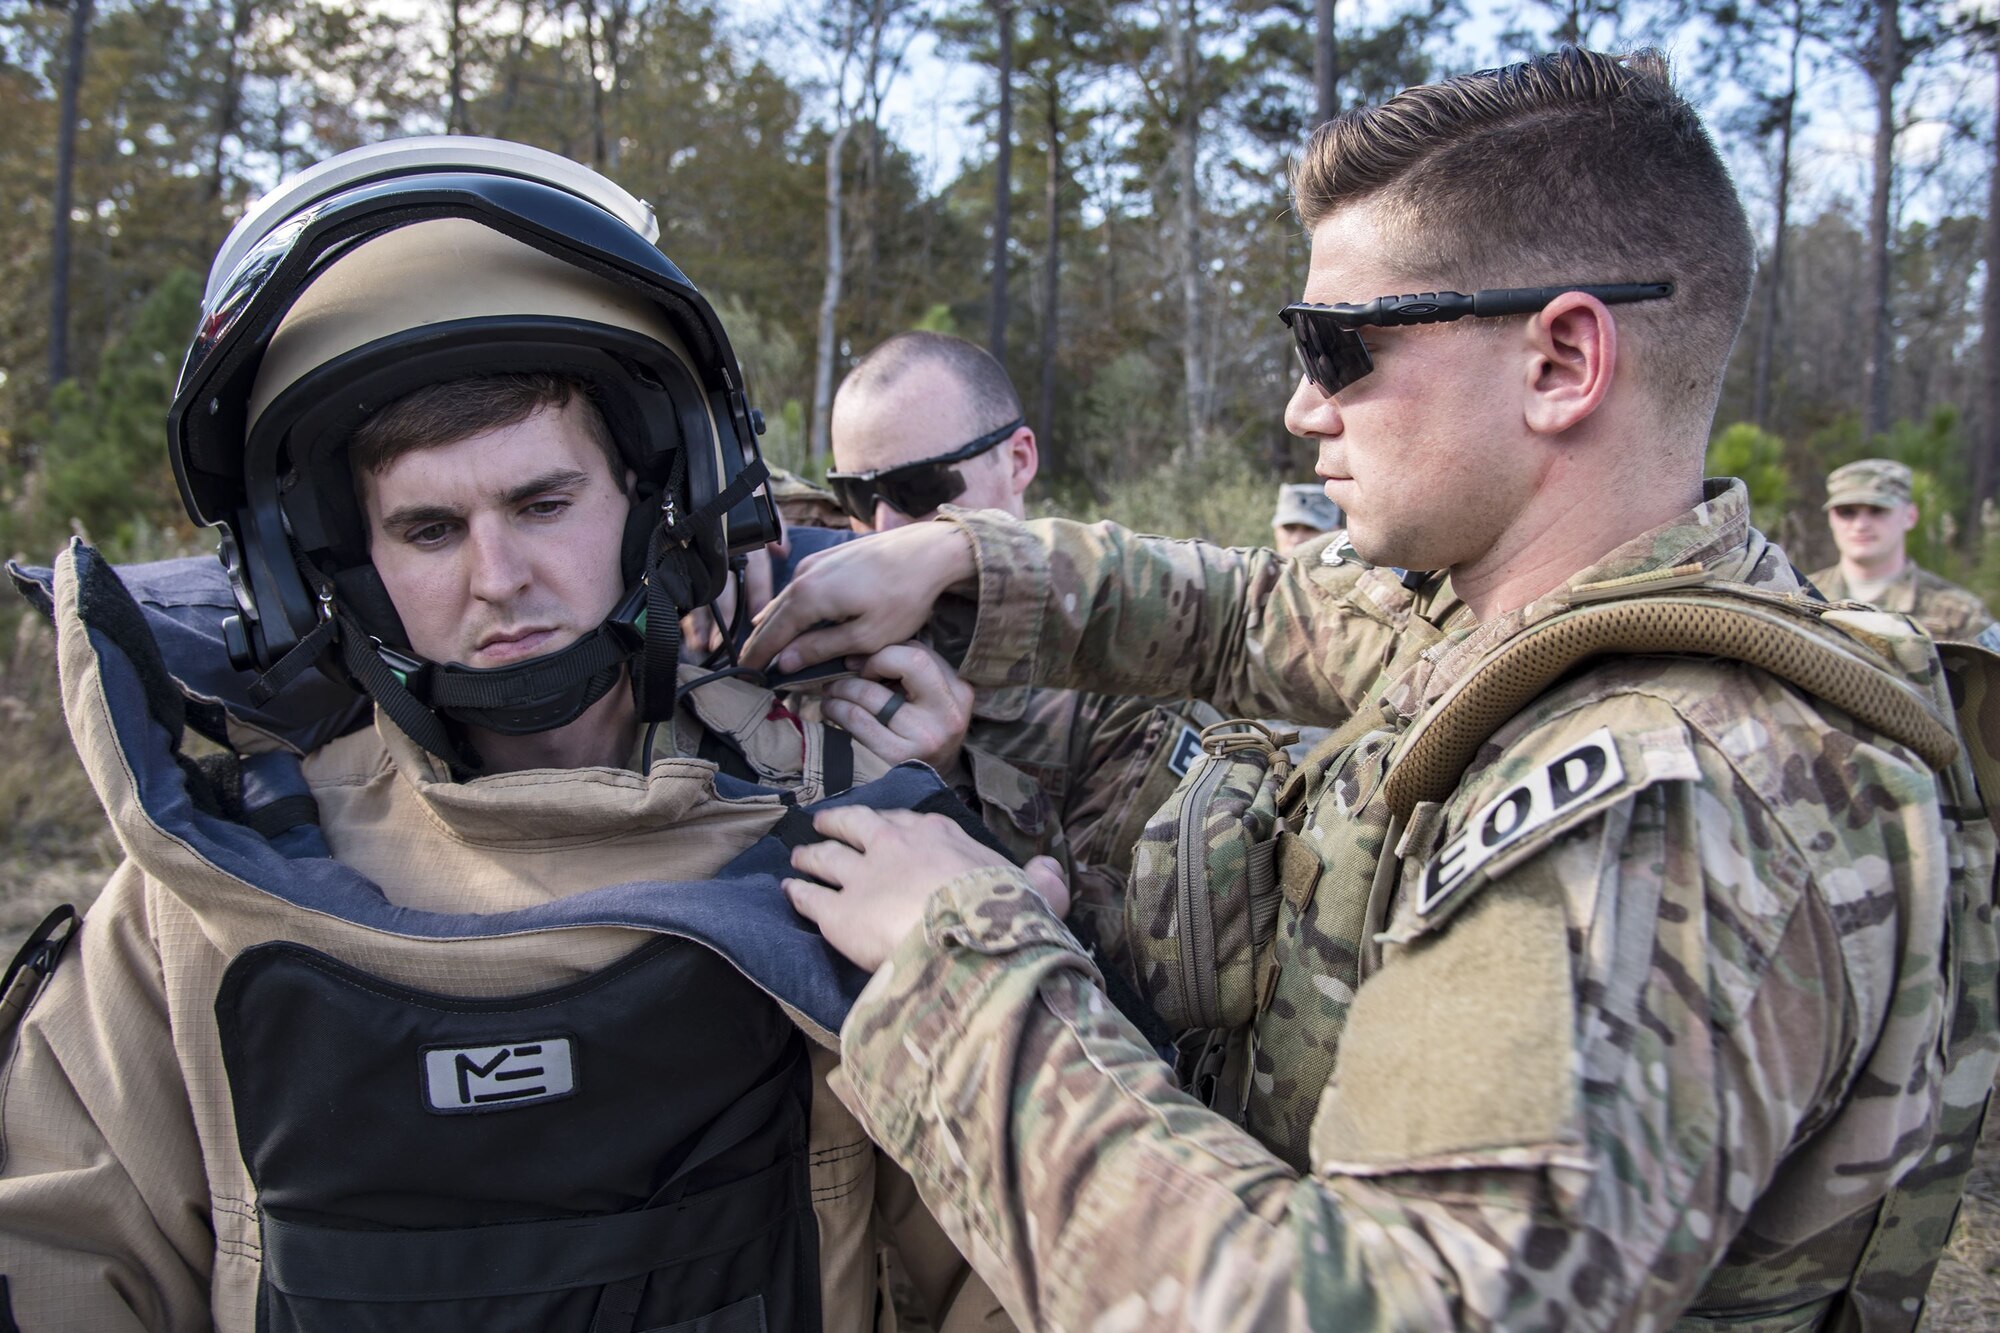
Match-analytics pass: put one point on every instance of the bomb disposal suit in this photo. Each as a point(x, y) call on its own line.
point(358, 1038)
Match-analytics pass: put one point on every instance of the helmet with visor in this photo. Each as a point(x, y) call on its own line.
point(408, 264)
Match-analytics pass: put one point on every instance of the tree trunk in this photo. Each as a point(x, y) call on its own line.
point(1887, 70)
point(229, 102)
point(65, 189)
point(1326, 62)
point(1986, 459)
point(829, 300)
point(1774, 275)
point(592, 37)
point(1051, 273)
point(454, 116)
point(614, 63)
point(1186, 155)
point(510, 87)
point(1003, 184)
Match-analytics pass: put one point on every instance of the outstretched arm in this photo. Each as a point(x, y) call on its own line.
point(1100, 607)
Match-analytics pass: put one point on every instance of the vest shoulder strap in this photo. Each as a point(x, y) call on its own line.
point(1787, 640)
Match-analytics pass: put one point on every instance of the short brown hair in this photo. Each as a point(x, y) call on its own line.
point(989, 392)
point(1573, 167)
point(453, 410)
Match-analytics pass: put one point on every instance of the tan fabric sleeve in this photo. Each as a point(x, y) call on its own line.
point(104, 1217)
point(953, 1297)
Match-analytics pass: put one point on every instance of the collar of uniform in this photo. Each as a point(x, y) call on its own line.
point(543, 804)
point(1715, 534)
point(1004, 703)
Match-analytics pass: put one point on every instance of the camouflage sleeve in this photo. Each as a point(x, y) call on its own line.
point(1707, 1019)
point(1098, 607)
point(1958, 615)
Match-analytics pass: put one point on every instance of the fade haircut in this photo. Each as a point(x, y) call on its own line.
point(1573, 167)
point(454, 410)
point(989, 392)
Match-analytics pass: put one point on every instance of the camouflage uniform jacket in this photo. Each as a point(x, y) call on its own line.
point(1667, 1034)
point(1945, 610)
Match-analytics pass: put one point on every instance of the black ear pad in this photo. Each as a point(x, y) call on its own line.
point(640, 521)
point(360, 590)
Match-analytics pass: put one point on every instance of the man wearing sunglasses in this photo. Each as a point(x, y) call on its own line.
point(927, 419)
point(1613, 979)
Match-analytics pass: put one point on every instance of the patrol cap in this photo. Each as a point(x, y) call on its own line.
point(1305, 504)
point(1871, 481)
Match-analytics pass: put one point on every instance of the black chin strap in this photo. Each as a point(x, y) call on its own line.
point(386, 688)
point(676, 583)
point(457, 687)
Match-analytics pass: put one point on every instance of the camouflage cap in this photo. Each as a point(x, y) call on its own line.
point(1871, 481)
point(1305, 504)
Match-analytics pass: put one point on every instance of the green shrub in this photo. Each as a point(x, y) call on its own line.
point(1757, 457)
point(103, 467)
point(1226, 499)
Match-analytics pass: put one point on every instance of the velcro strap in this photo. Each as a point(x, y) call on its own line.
point(724, 500)
point(837, 759)
point(303, 654)
point(382, 685)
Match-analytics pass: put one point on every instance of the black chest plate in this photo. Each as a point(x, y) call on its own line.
point(627, 1152)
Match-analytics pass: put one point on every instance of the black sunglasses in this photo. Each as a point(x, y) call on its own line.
point(916, 488)
point(1328, 337)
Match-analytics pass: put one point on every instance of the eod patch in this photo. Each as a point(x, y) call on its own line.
point(1588, 769)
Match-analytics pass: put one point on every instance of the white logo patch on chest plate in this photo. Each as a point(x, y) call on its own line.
point(458, 1079)
point(1586, 770)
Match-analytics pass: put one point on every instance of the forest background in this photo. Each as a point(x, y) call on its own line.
point(1094, 189)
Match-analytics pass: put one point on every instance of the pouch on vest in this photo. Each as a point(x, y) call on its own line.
point(624, 1153)
point(1203, 898)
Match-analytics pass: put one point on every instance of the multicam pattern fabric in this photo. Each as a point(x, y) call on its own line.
point(1659, 1053)
point(1945, 610)
point(1870, 481)
point(1063, 773)
point(803, 504)
point(1203, 891)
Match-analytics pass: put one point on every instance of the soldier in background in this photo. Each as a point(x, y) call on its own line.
point(927, 419)
point(1303, 513)
point(1869, 509)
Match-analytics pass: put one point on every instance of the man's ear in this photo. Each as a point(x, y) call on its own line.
point(1024, 459)
point(1573, 347)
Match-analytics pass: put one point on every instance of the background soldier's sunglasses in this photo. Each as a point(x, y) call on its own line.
point(1328, 338)
point(916, 488)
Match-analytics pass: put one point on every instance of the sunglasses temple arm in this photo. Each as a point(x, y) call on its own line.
point(1530, 300)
